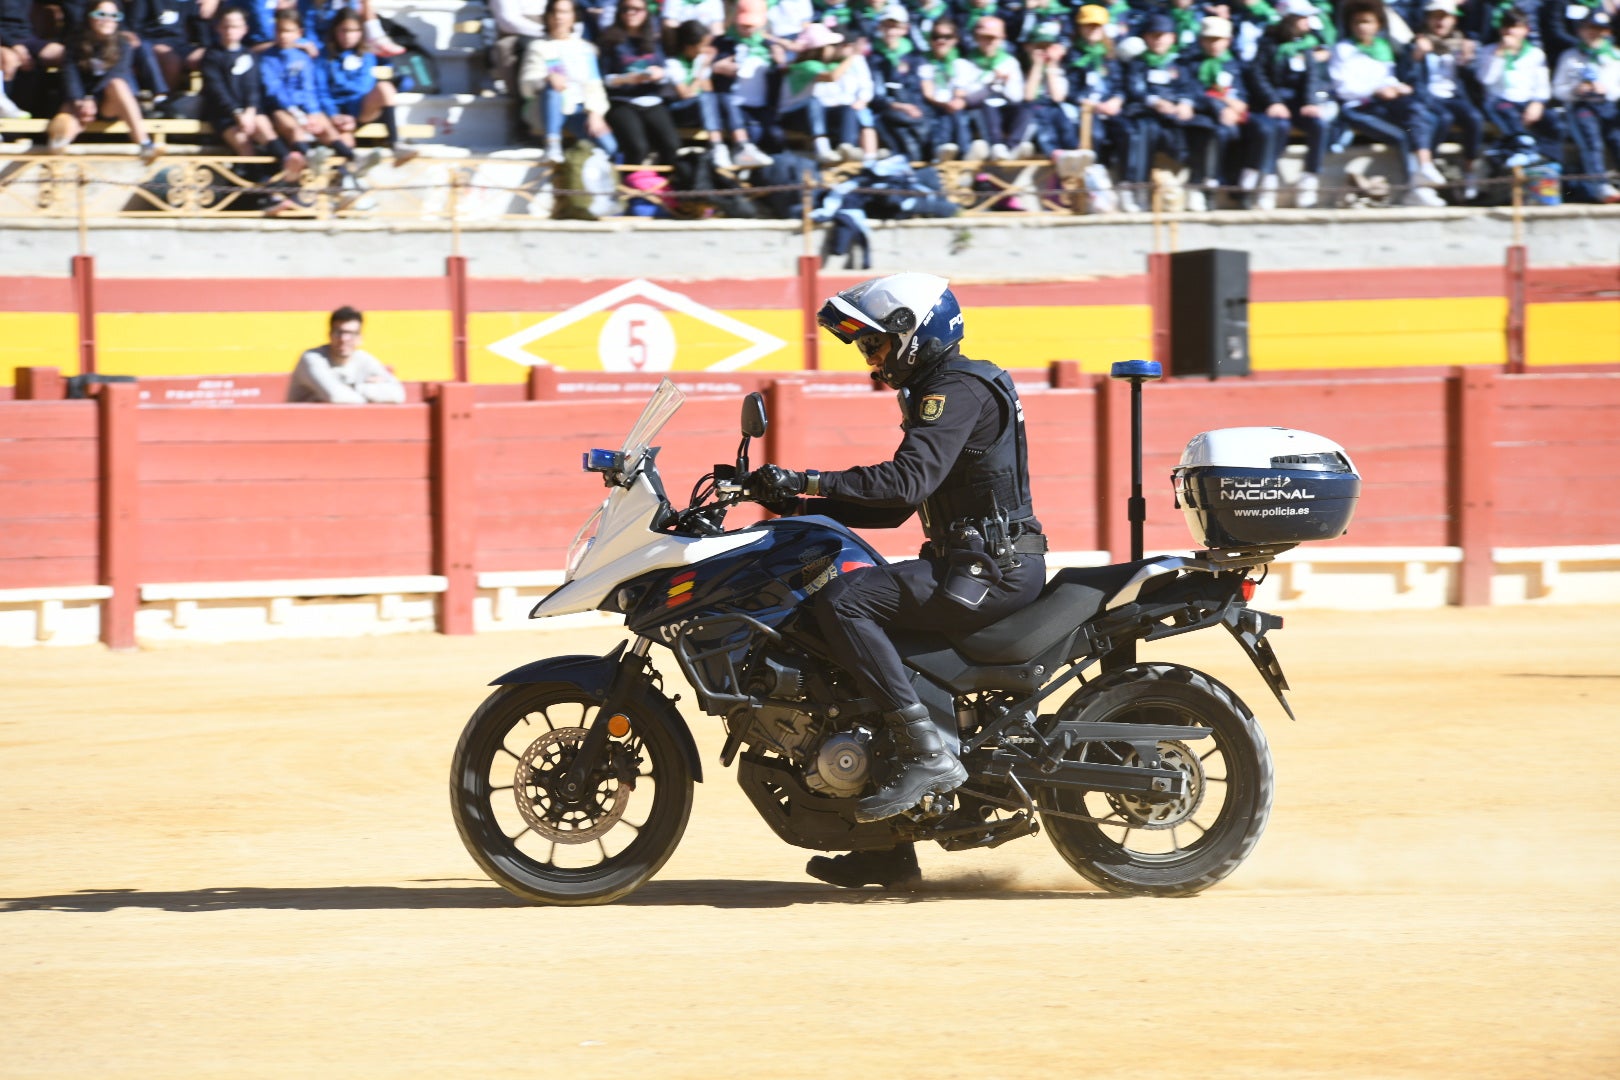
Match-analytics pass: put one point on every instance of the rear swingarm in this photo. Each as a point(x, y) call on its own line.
point(1146, 781)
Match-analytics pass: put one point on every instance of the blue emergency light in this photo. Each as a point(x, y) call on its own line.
point(602, 461)
point(1136, 369)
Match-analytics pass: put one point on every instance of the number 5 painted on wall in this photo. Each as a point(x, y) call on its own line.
point(636, 347)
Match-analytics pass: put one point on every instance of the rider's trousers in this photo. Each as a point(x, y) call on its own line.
point(854, 609)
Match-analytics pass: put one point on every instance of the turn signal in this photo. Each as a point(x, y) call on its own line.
point(618, 725)
point(1248, 589)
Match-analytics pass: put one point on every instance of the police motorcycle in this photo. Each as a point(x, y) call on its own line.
point(573, 781)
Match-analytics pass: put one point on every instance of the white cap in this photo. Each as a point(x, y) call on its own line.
point(895, 13)
point(1215, 27)
point(1447, 6)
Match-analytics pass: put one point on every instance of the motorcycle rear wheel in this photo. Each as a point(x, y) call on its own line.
point(535, 845)
point(1222, 817)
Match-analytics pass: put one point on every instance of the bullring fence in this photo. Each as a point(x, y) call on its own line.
point(469, 492)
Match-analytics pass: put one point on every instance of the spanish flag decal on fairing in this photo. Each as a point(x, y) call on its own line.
point(680, 589)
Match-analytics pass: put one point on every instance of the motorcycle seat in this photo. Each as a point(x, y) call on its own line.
point(1074, 595)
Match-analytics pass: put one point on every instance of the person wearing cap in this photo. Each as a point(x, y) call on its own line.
point(747, 78)
point(1438, 62)
point(1160, 92)
point(946, 79)
point(995, 98)
point(1517, 84)
point(1225, 122)
point(819, 60)
point(1097, 82)
point(1561, 24)
point(898, 106)
point(1047, 127)
point(1291, 84)
point(1377, 104)
point(1587, 80)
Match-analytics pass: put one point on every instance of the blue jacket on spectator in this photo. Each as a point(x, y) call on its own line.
point(1093, 76)
point(1220, 81)
point(895, 78)
point(1290, 72)
point(293, 80)
point(349, 77)
point(261, 17)
point(318, 17)
point(1172, 81)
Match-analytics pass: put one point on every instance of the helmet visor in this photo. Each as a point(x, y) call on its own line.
point(845, 321)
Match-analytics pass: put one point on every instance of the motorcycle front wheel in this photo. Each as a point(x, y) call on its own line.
point(507, 794)
point(1138, 847)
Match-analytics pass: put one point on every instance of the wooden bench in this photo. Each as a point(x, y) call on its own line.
point(162, 130)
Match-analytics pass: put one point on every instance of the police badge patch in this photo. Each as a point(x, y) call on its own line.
point(933, 407)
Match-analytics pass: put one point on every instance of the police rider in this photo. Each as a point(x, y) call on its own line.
point(962, 465)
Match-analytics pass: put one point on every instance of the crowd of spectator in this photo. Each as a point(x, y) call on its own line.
point(1220, 86)
point(294, 80)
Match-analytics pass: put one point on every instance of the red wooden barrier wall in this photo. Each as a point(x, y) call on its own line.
point(49, 494)
point(123, 494)
point(283, 491)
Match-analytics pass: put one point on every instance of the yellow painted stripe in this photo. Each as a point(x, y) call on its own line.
point(38, 339)
point(1377, 333)
point(416, 344)
point(683, 587)
point(1284, 336)
point(1584, 333)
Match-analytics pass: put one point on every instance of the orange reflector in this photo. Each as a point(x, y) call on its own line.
point(618, 725)
point(1248, 589)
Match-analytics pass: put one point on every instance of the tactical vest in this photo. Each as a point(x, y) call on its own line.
point(981, 482)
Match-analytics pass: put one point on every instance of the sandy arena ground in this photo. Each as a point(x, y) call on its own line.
point(239, 860)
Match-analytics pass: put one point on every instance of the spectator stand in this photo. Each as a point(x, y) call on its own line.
point(467, 130)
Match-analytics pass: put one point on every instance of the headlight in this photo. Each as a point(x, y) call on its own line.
point(582, 543)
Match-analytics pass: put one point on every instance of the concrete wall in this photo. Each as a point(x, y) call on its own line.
point(1005, 247)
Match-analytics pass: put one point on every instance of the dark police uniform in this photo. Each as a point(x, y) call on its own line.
point(962, 460)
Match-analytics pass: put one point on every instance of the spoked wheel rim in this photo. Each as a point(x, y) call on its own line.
point(1161, 833)
point(527, 818)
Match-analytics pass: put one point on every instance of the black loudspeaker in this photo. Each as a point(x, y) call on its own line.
point(1209, 313)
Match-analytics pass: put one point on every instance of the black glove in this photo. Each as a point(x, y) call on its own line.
point(773, 484)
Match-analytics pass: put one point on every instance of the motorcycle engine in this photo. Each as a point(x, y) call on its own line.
point(843, 762)
point(835, 763)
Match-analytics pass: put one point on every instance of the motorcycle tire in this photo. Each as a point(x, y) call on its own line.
point(493, 746)
point(1160, 694)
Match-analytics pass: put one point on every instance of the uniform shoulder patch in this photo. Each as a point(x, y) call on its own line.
point(932, 407)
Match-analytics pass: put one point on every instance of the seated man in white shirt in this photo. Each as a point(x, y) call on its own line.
point(342, 372)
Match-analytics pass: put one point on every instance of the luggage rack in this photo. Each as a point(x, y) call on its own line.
point(1219, 559)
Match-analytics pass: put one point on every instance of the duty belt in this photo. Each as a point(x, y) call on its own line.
point(1031, 543)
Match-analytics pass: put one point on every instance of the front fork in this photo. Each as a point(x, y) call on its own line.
point(590, 752)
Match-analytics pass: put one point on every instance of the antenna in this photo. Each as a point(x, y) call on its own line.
point(1138, 372)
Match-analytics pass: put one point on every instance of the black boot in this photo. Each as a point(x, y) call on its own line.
point(922, 765)
point(895, 868)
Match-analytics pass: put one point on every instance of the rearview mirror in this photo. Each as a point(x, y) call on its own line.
point(753, 415)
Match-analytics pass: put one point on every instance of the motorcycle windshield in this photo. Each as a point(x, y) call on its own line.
point(665, 403)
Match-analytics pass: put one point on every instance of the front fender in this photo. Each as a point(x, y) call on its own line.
point(594, 675)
